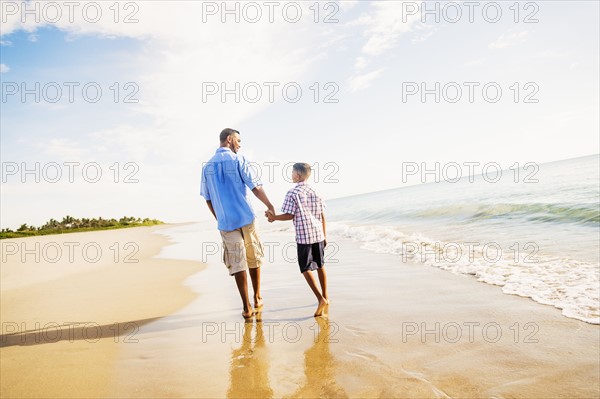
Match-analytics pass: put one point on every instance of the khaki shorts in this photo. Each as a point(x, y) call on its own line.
point(242, 249)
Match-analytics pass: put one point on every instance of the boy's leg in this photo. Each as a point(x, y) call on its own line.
point(242, 285)
point(323, 282)
point(313, 286)
point(318, 250)
point(306, 262)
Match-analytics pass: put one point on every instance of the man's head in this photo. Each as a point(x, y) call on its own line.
point(230, 138)
point(300, 172)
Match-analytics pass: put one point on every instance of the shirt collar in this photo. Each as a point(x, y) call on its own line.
point(222, 149)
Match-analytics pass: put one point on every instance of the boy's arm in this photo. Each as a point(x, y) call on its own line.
point(283, 216)
point(324, 229)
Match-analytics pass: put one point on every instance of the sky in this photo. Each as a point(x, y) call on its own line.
point(110, 108)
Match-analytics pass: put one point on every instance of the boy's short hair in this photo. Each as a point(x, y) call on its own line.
point(303, 169)
point(226, 133)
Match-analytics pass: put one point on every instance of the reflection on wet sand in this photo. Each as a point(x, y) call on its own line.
point(319, 367)
point(249, 373)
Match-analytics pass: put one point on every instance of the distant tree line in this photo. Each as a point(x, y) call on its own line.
point(70, 224)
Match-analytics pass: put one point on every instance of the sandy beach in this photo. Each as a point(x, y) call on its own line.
point(393, 329)
point(67, 306)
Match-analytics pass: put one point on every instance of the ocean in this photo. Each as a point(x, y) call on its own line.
point(535, 231)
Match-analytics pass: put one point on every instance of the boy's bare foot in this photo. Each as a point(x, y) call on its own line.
point(248, 313)
point(321, 307)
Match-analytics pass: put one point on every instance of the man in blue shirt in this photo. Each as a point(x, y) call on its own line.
point(226, 179)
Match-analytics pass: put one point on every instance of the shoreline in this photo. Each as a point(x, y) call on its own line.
point(64, 317)
point(393, 329)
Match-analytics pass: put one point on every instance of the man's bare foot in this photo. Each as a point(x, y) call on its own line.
point(248, 313)
point(258, 303)
point(321, 307)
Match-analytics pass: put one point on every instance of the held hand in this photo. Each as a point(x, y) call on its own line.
point(270, 214)
point(324, 243)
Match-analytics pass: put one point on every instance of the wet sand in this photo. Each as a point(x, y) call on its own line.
point(393, 330)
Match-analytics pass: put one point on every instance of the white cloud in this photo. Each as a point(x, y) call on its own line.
point(4, 68)
point(62, 149)
point(14, 17)
point(177, 52)
point(507, 40)
point(7, 43)
point(364, 81)
point(180, 129)
point(176, 62)
point(133, 143)
point(429, 31)
point(335, 39)
point(346, 5)
point(550, 53)
point(475, 62)
point(386, 22)
point(360, 63)
point(383, 24)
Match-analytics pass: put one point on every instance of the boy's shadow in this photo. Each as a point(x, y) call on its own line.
point(319, 367)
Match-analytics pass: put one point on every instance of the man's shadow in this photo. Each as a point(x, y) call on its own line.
point(249, 373)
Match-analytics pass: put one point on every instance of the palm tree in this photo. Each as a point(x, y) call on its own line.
point(67, 221)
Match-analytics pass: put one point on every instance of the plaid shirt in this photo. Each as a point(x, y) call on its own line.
point(303, 202)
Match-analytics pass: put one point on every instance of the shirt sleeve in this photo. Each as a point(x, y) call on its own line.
point(251, 180)
point(204, 184)
point(289, 204)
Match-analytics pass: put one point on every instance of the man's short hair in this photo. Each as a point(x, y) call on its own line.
point(303, 169)
point(226, 133)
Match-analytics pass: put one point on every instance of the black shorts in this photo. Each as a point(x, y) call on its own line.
point(310, 256)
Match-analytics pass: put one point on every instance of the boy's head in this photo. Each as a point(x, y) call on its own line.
point(300, 172)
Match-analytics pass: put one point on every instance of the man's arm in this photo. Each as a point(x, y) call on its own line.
point(212, 210)
point(262, 196)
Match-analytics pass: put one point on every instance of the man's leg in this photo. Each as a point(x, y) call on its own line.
point(255, 277)
point(254, 256)
point(242, 285)
point(313, 286)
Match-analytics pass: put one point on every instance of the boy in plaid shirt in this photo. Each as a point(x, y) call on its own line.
point(305, 208)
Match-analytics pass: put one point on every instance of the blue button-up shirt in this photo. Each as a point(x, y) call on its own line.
point(226, 179)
